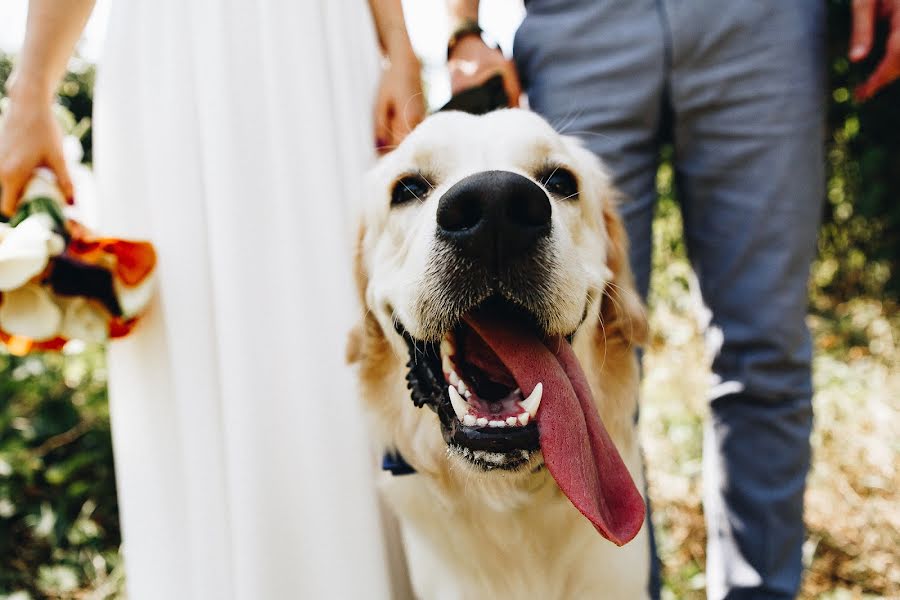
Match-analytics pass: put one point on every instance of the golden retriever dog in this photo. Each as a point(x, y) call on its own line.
point(496, 356)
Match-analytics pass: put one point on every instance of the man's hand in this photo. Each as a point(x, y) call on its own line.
point(865, 13)
point(473, 62)
point(400, 103)
point(30, 137)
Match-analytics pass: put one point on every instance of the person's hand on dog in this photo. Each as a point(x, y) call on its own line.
point(471, 62)
point(865, 15)
point(30, 137)
point(400, 103)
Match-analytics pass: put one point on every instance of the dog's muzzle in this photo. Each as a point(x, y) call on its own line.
point(493, 217)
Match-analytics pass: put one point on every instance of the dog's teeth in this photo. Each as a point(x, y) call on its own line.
point(532, 402)
point(467, 394)
point(463, 388)
point(512, 421)
point(454, 378)
point(523, 418)
point(470, 420)
point(459, 405)
point(481, 422)
point(496, 424)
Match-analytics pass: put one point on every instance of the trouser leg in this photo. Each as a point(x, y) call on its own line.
point(596, 70)
point(747, 97)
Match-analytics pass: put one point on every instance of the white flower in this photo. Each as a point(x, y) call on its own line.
point(43, 185)
point(133, 299)
point(26, 249)
point(30, 312)
point(83, 320)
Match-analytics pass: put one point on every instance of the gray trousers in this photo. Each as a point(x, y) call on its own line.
point(737, 86)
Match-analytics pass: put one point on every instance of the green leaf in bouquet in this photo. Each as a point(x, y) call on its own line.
point(40, 204)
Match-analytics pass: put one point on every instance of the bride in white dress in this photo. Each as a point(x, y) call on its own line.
point(233, 135)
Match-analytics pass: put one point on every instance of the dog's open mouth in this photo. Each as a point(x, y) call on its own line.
point(503, 389)
point(484, 415)
point(482, 391)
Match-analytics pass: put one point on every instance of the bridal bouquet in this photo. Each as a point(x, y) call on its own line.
point(58, 282)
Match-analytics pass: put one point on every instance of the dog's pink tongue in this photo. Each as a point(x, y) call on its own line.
point(577, 449)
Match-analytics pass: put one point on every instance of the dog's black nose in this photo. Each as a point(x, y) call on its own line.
point(494, 216)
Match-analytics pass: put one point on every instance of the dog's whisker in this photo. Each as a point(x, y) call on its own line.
point(406, 115)
point(561, 125)
point(583, 133)
point(427, 181)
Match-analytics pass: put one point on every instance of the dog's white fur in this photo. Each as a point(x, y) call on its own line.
point(470, 534)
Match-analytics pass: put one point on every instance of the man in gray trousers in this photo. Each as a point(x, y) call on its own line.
point(738, 89)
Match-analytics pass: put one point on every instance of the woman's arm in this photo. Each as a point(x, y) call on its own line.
point(400, 104)
point(29, 134)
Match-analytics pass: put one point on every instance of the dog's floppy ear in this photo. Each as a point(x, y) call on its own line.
point(621, 310)
point(356, 341)
point(366, 343)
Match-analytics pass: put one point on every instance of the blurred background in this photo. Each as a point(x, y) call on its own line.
point(59, 533)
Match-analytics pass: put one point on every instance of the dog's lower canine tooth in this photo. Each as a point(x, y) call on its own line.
point(532, 402)
point(459, 405)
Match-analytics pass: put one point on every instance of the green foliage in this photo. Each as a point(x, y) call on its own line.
point(59, 529)
point(859, 243)
point(76, 94)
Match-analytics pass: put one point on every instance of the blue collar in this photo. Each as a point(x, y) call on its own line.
point(396, 464)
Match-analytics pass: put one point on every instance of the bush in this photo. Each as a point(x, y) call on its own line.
point(59, 527)
point(859, 243)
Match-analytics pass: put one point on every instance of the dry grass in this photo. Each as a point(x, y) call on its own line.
point(852, 508)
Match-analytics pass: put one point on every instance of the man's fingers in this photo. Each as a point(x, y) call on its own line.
point(863, 28)
point(461, 81)
point(57, 164)
point(468, 75)
point(887, 71)
point(511, 84)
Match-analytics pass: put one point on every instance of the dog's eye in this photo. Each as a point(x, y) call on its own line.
point(560, 182)
point(408, 188)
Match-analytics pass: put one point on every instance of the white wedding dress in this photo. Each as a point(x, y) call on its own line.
point(234, 135)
